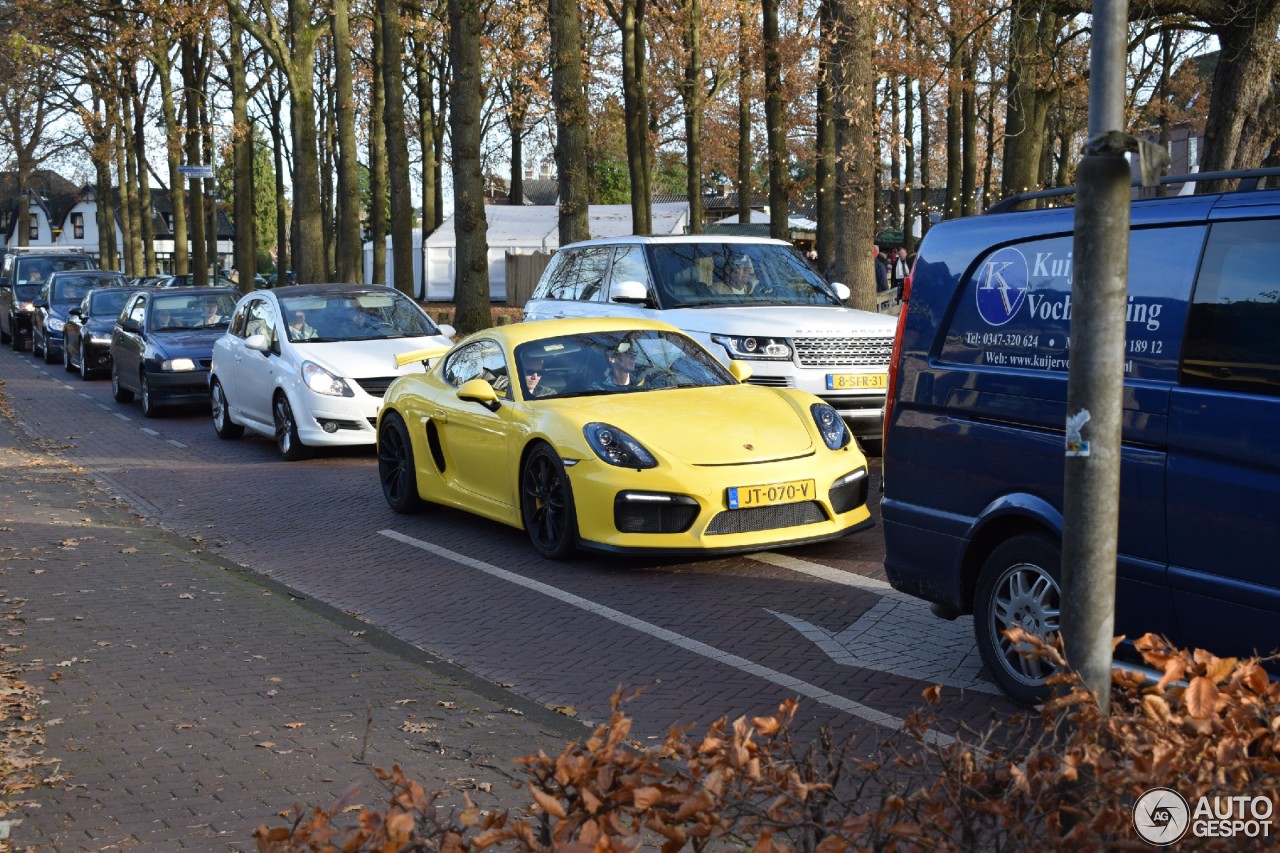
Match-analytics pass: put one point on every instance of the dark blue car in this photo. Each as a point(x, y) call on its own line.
point(975, 428)
point(162, 345)
point(60, 294)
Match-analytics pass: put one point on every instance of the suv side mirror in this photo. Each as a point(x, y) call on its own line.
point(630, 292)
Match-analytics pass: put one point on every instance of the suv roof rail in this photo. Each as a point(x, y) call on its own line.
point(24, 250)
point(1249, 181)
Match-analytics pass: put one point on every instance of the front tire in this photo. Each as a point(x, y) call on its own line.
point(49, 357)
point(66, 358)
point(85, 371)
point(396, 468)
point(291, 447)
point(1019, 586)
point(546, 504)
point(222, 423)
point(120, 393)
point(150, 406)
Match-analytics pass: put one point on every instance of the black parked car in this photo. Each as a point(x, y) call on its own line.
point(87, 339)
point(63, 291)
point(25, 271)
point(162, 345)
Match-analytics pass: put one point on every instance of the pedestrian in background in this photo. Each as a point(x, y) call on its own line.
point(882, 269)
point(900, 271)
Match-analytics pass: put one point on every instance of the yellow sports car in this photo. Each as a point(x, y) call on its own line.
point(618, 435)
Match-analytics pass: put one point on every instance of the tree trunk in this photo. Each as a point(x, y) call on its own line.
point(926, 162)
point(426, 139)
point(146, 226)
point(397, 147)
point(776, 127)
point(349, 250)
point(1240, 127)
point(744, 113)
point(895, 156)
point(471, 284)
point(191, 124)
point(573, 113)
point(969, 131)
point(630, 19)
point(173, 147)
point(826, 143)
point(378, 160)
point(1033, 31)
point(909, 162)
point(693, 112)
point(854, 92)
point(284, 253)
point(955, 108)
point(246, 214)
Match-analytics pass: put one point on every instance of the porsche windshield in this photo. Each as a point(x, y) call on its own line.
point(617, 362)
point(690, 275)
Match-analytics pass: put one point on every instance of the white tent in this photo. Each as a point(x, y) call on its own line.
point(519, 230)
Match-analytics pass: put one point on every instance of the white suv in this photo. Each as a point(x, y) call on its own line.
point(745, 298)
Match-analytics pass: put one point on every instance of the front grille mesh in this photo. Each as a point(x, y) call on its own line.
point(376, 386)
point(843, 352)
point(767, 518)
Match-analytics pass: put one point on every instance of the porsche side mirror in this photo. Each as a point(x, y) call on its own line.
point(479, 391)
point(740, 369)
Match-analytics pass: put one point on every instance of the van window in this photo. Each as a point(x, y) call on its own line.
point(1014, 312)
point(1231, 334)
point(575, 274)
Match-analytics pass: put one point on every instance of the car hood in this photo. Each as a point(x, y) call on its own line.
point(367, 358)
point(804, 321)
point(726, 425)
point(196, 343)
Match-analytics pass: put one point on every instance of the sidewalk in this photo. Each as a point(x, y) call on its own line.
point(184, 701)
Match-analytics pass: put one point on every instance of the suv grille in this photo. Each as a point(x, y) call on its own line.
point(843, 352)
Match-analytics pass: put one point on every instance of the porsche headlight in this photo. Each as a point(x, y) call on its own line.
point(834, 432)
point(617, 448)
point(323, 382)
point(55, 325)
point(750, 347)
point(177, 364)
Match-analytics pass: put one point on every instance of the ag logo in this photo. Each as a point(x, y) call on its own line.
point(1161, 816)
point(1002, 286)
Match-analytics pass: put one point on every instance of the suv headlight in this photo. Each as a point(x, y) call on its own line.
point(754, 348)
point(617, 448)
point(831, 425)
point(55, 325)
point(323, 382)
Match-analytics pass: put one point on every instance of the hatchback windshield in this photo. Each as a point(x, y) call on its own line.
point(698, 274)
point(108, 302)
point(191, 311)
point(72, 288)
point(618, 362)
point(354, 316)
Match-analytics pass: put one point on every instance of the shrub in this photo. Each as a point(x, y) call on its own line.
point(1209, 727)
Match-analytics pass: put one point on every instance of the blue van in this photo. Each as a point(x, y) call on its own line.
point(974, 431)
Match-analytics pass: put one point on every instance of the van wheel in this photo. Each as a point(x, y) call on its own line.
point(1019, 587)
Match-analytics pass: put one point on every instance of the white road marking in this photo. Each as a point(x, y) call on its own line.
point(149, 431)
point(177, 444)
point(787, 682)
point(123, 417)
point(899, 635)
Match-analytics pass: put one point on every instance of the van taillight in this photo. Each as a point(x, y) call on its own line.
point(893, 362)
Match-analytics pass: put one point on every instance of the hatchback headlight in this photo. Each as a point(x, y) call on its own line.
point(831, 425)
point(323, 382)
point(177, 364)
point(617, 448)
point(55, 325)
point(751, 347)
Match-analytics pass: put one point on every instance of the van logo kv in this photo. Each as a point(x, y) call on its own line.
point(1002, 286)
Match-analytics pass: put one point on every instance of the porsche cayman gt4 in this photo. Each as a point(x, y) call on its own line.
point(618, 435)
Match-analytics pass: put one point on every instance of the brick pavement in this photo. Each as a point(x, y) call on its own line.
point(186, 700)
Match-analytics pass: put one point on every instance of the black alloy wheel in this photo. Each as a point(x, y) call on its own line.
point(546, 504)
point(85, 372)
point(66, 357)
point(396, 469)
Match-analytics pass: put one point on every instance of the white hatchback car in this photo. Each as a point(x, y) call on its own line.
point(308, 365)
point(743, 298)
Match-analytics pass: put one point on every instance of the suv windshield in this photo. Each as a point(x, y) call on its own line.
point(696, 274)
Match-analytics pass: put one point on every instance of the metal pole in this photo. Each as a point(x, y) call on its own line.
point(1095, 381)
